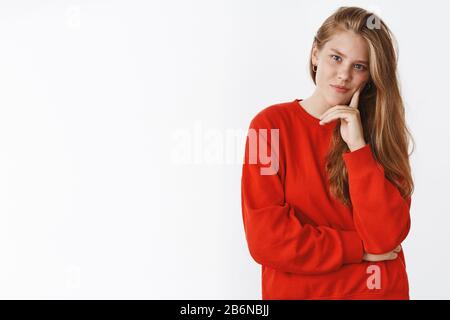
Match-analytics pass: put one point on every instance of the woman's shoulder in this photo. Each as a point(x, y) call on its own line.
point(274, 114)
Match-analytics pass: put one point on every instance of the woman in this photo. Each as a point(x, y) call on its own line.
point(326, 181)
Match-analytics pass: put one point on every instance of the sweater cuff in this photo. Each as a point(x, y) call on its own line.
point(359, 161)
point(352, 247)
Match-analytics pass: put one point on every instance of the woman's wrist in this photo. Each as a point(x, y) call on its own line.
point(357, 146)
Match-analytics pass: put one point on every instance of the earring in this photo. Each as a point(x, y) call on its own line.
point(314, 70)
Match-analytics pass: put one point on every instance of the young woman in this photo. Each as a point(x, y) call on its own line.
point(326, 180)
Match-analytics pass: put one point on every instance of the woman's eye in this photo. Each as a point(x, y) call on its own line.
point(335, 57)
point(360, 67)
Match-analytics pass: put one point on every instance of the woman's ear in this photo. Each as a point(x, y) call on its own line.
point(314, 54)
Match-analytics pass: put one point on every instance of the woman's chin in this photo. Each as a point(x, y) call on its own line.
point(333, 101)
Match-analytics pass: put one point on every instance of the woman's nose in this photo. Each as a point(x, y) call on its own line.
point(344, 73)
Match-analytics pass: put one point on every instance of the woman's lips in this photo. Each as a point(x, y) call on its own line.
point(339, 89)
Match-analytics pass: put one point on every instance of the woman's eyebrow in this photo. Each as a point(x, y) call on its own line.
point(340, 53)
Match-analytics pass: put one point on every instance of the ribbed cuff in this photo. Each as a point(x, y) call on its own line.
point(353, 247)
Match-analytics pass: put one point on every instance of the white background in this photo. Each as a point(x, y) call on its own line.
point(98, 100)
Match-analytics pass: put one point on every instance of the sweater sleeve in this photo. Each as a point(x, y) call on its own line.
point(381, 215)
point(275, 235)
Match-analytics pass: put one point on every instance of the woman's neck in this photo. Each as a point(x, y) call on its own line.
point(315, 105)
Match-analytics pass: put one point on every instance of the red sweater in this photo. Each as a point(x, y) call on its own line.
point(309, 244)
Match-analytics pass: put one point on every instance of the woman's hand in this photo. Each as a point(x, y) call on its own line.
point(351, 127)
point(381, 257)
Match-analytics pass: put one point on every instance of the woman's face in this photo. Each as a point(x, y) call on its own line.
point(343, 61)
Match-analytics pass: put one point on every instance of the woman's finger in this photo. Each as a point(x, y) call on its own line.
point(342, 114)
point(355, 99)
point(333, 109)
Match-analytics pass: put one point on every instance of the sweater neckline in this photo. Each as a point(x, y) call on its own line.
point(311, 119)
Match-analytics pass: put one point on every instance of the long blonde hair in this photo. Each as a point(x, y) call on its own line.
point(381, 107)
